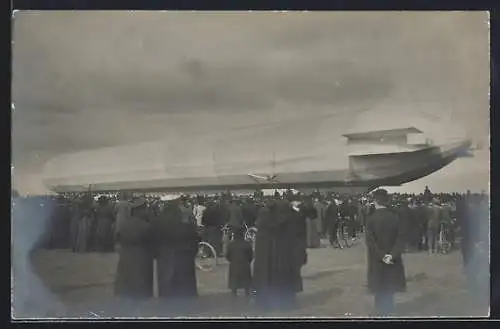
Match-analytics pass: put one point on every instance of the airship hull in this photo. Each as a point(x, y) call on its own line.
point(359, 172)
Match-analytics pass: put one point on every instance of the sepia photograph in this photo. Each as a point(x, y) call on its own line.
point(250, 164)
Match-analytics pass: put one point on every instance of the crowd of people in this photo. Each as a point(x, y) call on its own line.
point(144, 229)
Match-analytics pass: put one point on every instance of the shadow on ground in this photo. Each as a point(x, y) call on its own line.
point(320, 297)
point(417, 304)
point(417, 277)
point(323, 274)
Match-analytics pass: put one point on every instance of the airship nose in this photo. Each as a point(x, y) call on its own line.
point(460, 148)
point(467, 143)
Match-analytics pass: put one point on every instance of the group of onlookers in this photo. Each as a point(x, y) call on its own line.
point(148, 230)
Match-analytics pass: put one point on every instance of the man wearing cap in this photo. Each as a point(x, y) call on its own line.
point(434, 215)
point(385, 241)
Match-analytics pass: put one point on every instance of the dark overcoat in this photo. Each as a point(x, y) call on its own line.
point(176, 244)
point(134, 275)
point(240, 256)
point(104, 220)
point(250, 212)
point(235, 216)
point(83, 233)
point(62, 229)
point(414, 226)
point(310, 214)
point(262, 276)
point(385, 234)
point(331, 216)
point(75, 219)
point(405, 215)
point(296, 230)
point(213, 222)
point(280, 250)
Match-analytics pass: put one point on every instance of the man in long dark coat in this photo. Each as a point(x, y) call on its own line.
point(240, 256)
point(310, 214)
point(320, 221)
point(83, 239)
point(421, 217)
point(212, 223)
point(405, 214)
point(235, 215)
point(262, 276)
point(250, 212)
point(332, 220)
point(176, 242)
point(105, 218)
point(414, 226)
point(121, 212)
point(76, 214)
point(61, 224)
point(385, 239)
point(433, 221)
point(134, 275)
point(280, 252)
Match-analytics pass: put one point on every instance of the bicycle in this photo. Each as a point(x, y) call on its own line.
point(343, 236)
point(250, 233)
point(443, 243)
point(206, 256)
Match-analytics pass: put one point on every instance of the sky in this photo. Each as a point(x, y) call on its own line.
point(83, 80)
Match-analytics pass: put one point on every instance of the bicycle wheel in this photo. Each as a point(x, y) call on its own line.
point(446, 247)
point(445, 244)
point(346, 236)
point(341, 237)
point(206, 257)
point(250, 234)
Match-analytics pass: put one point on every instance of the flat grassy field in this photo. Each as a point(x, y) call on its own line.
point(81, 285)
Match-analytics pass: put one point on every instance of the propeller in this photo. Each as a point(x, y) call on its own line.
point(269, 178)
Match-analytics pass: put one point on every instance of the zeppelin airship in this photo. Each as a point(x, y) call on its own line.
point(355, 162)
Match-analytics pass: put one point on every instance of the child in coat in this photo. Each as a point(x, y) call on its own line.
point(240, 255)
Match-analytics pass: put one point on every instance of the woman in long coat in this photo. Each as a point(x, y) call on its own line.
point(212, 222)
point(311, 216)
point(176, 243)
point(280, 252)
point(262, 276)
point(385, 235)
point(75, 221)
point(134, 275)
point(83, 230)
point(240, 256)
point(104, 221)
point(290, 239)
